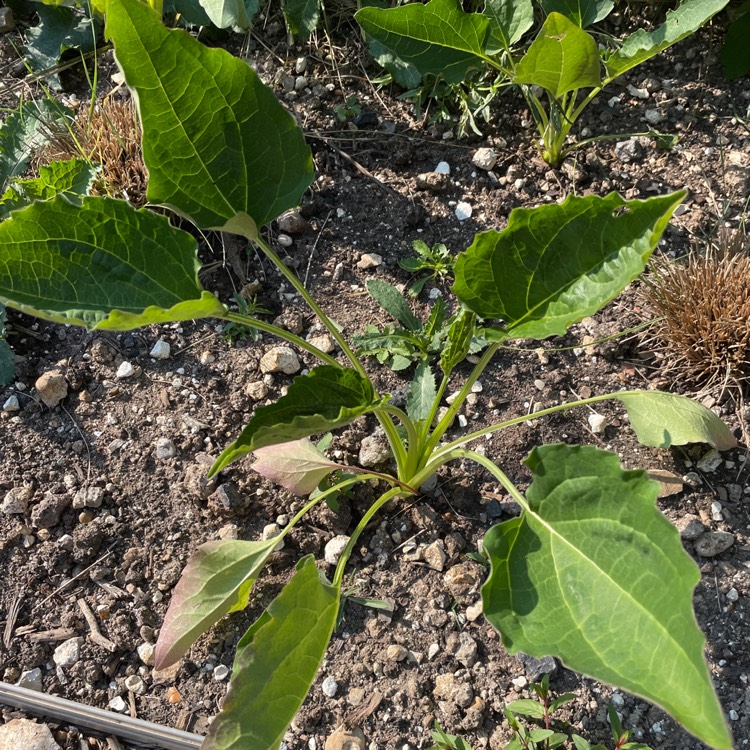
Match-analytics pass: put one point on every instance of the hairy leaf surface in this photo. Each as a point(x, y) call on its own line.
point(327, 398)
point(219, 147)
point(553, 265)
point(664, 419)
point(216, 580)
point(436, 38)
point(642, 44)
point(276, 663)
point(593, 573)
point(102, 264)
point(562, 58)
point(393, 302)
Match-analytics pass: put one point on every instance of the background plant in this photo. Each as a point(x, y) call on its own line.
point(223, 153)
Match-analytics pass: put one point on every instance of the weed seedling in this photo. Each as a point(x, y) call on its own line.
point(429, 263)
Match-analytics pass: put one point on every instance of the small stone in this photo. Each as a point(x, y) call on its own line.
point(535, 668)
point(474, 611)
point(285, 240)
point(31, 679)
point(227, 499)
point(291, 222)
point(118, 704)
point(373, 451)
point(280, 359)
point(270, 531)
point(396, 652)
point(16, 500)
point(597, 423)
point(160, 350)
point(165, 448)
point(256, 390)
point(433, 651)
point(443, 168)
point(67, 653)
point(369, 260)
point(146, 653)
point(434, 181)
point(710, 462)
point(733, 715)
point(25, 734)
point(334, 548)
point(125, 370)
point(300, 83)
point(323, 342)
point(47, 512)
point(88, 497)
point(221, 672)
point(484, 158)
point(135, 684)
point(7, 23)
point(434, 555)
point(52, 388)
point(11, 405)
point(520, 682)
point(453, 690)
point(463, 211)
point(346, 739)
point(329, 687)
point(716, 513)
point(300, 65)
point(733, 595)
point(690, 527)
point(669, 482)
point(637, 93)
point(467, 653)
point(713, 543)
point(628, 151)
point(653, 116)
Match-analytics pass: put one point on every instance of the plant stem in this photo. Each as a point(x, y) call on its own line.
point(496, 471)
point(371, 511)
point(246, 320)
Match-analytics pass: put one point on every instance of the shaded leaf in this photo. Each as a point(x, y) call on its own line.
point(553, 265)
point(421, 394)
point(101, 265)
point(404, 74)
point(642, 44)
point(226, 14)
point(581, 12)
point(562, 58)
point(216, 580)
point(436, 38)
point(593, 573)
point(393, 302)
point(509, 21)
point(302, 16)
point(7, 362)
point(327, 398)
point(458, 341)
point(276, 663)
point(527, 707)
point(664, 419)
point(218, 145)
point(297, 466)
point(735, 53)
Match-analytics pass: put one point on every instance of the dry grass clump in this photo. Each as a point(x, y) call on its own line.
point(111, 137)
point(702, 306)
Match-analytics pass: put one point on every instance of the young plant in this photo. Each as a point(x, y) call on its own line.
point(620, 736)
point(589, 562)
point(444, 741)
point(560, 72)
point(429, 263)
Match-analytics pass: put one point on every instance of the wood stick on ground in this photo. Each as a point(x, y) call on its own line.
point(95, 635)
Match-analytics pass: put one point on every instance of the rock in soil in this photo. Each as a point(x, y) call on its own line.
point(22, 734)
point(52, 388)
point(280, 359)
point(344, 739)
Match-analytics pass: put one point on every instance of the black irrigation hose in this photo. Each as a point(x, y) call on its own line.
point(133, 730)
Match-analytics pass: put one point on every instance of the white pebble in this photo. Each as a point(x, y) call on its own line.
point(597, 423)
point(443, 168)
point(221, 672)
point(125, 370)
point(160, 350)
point(118, 704)
point(334, 548)
point(463, 211)
point(329, 687)
point(11, 404)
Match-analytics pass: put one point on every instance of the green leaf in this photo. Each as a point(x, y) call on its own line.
point(327, 398)
point(593, 573)
point(302, 16)
point(553, 265)
point(580, 742)
point(297, 466)
point(437, 38)
point(72, 178)
point(102, 264)
point(219, 147)
point(642, 45)
point(276, 663)
point(7, 361)
point(664, 419)
point(582, 12)
point(226, 14)
point(561, 700)
point(393, 302)
point(735, 53)
point(403, 73)
point(527, 707)
point(562, 58)
point(422, 393)
point(458, 340)
point(24, 130)
point(216, 580)
point(539, 735)
point(509, 21)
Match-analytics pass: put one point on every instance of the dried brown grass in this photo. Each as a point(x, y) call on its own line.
point(110, 136)
point(702, 307)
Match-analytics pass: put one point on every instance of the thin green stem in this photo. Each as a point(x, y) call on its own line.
point(435, 406)
point(383, 414)
point(371, 511)
point(246, 320)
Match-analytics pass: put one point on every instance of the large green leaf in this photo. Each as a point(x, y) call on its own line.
point(436, 38)
point(581, 12)
point(404, 73)
point(593, 573)
point(216, 580)
point(665, 419)
point(735, 54)
point(225, 14)
point(562, 58)
point(641, 45)
point(276, 663)
point(102, 264)
point(218, 145)
point(509, 21)
point(302, 16)
point(327, 398)
point(553, 265)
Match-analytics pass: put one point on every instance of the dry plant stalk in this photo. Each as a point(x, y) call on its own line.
point(702, 307)
point(109, 136)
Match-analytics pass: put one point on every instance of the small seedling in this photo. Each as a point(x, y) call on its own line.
point(445, 741)
point(348, 110)
point(236, 330)
point(619, 735)
point(429, 263)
